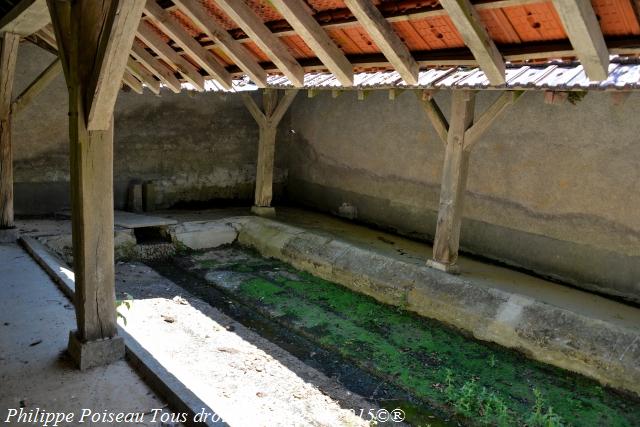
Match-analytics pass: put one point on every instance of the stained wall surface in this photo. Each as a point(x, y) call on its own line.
point(552, 188)
point(193, 146)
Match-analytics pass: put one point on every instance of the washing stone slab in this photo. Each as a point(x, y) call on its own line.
point(133, 220)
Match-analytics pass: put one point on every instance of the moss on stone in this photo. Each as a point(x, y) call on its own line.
point(423, 356)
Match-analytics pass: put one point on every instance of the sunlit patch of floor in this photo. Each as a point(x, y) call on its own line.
point(244, 378)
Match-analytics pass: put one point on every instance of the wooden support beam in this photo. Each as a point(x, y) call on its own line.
point(268, 42)
point(48, 38)
point(362, 94)
point(170, 56)
point(437, 118)
point(135, 84)
point(385, 38)
point(238, 54)
point(47, 35)
point(491, 114)
point(163, 20)
point(475, 36)
point(138, 71)
point(582, 28)
point(25, 18)
point(268, 119)
point(36, 87)
point(299, 16)
point(158, 69)
point(394, 93)
point(553, 97)
point(454, 180)
point(95, 341)
point(8, 56)
point(110, 61)
point(619, 97)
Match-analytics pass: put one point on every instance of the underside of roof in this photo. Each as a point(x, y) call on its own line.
point(527, 35)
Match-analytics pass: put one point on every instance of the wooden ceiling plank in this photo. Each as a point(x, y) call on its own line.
point(165, 75)
point(142, 74)
point(168, 54)
point(163, 20)
point(238, 53)
point(26, 18)
point(475, 36)
point(582, 28)
point(385, 38)
point(299, 16)
point(268, 42)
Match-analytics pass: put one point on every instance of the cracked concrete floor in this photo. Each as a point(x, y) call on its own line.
point(35, 320)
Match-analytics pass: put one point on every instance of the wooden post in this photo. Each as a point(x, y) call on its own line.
point(454, 179)
point(459, 138)
point(268, 121)
point(8, 56)
point(94, 40)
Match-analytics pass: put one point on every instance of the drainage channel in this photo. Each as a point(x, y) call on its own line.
point(380, 392)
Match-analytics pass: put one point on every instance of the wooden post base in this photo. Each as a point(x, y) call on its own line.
point(9, 235)
point(447, 268)
point(90, 354)
point(266, 211)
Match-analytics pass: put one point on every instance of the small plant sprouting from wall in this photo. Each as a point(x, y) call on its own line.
point(576, 96)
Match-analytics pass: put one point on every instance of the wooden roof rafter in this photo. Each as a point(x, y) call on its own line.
point(301, 19)
point(270, 43)
point(242, 57)
point(194, 40)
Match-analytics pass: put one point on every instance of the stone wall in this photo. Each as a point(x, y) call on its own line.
point(194, 146)
point(552, 189)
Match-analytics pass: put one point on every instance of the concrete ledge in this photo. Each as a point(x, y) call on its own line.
point(179, 398)
point(59, 272)
point(607, 352)
point(89, 354)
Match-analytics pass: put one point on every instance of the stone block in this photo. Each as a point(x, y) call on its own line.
point(89, 354)
point(9, 235)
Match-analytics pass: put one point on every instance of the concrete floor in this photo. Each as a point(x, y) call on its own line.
point(35, 320)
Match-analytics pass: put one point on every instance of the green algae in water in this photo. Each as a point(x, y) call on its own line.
point(431, 361)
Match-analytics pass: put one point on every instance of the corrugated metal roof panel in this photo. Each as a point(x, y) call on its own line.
point(559, 76)
point(531, 76)
point(623, 77)
point(581, 81)
point(453, 78)
point(543, 77)
point(479, 80)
